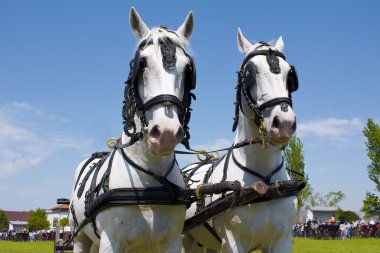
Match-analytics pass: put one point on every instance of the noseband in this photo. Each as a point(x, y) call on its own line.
point(247, 79)
point(132, 99)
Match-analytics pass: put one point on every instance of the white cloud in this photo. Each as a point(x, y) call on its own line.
point(28, 136)
point(331, 128)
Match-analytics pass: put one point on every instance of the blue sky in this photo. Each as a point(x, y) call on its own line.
point(63, 65)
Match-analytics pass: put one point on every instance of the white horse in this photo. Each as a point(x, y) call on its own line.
point(263, 111)
point(142, 163)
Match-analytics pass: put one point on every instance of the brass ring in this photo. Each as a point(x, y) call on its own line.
point(216, 156)
point(202, 152)
point(110, 142)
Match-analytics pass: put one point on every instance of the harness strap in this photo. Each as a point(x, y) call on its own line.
point(93, 156)
point(159, 195)
point(72, 210)
point(225, 167)
point(161, 179)
point(84, 180)
point(187, 177)
point(255, 194)
point(148, 172)
point(267, 178)
point(201, 202)
point(105, 179)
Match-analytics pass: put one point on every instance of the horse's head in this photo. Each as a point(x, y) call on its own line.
point(158, 90)
point(266, 82)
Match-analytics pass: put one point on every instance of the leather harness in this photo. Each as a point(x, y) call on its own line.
point(262, 191)
point(100, 197)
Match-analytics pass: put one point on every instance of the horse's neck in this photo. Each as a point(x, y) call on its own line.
point(263, 161)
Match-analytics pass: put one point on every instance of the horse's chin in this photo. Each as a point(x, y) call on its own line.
point(281, 141)
point(162, 153)
point(160, 149)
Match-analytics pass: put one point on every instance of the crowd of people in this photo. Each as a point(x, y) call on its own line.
point(24, 235)
point(341, 229)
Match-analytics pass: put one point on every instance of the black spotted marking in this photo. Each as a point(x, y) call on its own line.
point(168, 51)
point(273, 62)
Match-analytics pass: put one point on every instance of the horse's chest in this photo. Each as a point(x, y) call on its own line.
point(259, 219)
point(137, 224)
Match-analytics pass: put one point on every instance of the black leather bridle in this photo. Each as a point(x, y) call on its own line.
point(247, 79)
point(132, 99)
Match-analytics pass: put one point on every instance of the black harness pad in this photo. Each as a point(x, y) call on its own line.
point(292, 80)
point(249, 75)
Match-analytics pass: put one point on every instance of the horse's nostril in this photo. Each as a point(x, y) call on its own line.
point(155, 132)
point(276, 122)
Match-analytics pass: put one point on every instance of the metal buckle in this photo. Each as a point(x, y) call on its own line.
point(263, 133)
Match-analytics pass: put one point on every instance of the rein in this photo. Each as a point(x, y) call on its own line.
point(209, 155)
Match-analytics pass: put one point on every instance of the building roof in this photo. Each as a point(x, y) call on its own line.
point(17, 215)
point(323, 209)
point(62, 207)
point(23, 223)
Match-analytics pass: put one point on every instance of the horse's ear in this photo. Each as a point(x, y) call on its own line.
point(243, 44)
point(279, 44)
point(186, 29)
point(139, 28)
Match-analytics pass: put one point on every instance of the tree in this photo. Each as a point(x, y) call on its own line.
point(295, 161)
point(4, 223)
point(63, 222)
point(37, 220)
point(349, 215)
point(372, 132)
point(371, 204)
point(330, 199)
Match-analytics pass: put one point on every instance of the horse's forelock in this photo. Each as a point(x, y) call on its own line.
point(158, 34)
point(261, 44)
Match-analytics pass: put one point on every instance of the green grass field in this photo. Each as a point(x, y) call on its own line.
point(26, 247)
point(336, 246)
point(300, 246)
